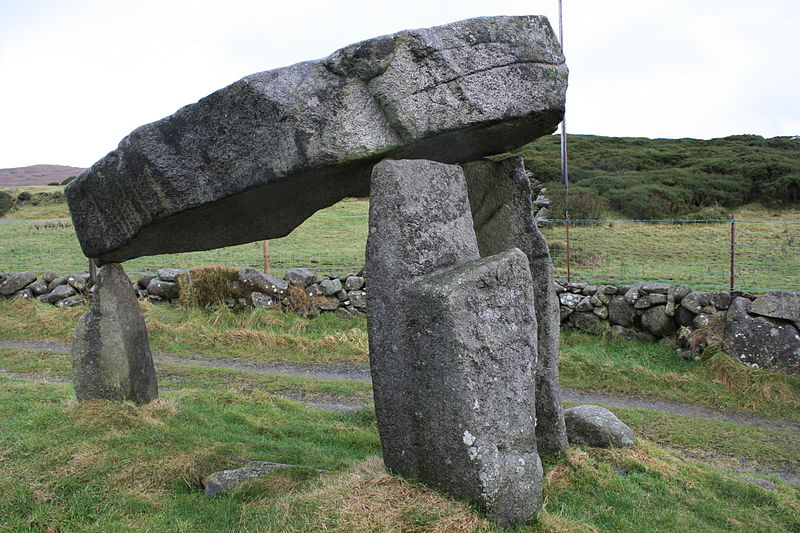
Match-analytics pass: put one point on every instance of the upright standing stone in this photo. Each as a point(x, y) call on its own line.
point(473, 364)
point(500, 201)
point(419, 222)
point(452, 344)
point(111, 356)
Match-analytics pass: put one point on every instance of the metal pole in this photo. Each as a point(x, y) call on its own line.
point(564, 169)
point(733, 251)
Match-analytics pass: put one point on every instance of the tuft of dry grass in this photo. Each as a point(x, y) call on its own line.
point(207, 287)
point(763, 384)
point(368, 499)
point(298, 301)
point(558, 523)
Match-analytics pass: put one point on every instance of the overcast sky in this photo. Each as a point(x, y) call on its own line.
point(77, 76)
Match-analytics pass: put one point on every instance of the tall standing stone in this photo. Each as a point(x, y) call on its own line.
point(111, 356)
point(419, 222)
point(500, 201)
point(452, 344)
point(473, 365)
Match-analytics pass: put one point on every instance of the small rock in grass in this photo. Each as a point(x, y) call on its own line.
point(597, 426)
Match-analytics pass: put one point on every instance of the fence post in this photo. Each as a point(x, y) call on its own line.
point(569, 260)
point(733, 250)
point(266, 257)
point(92, 271)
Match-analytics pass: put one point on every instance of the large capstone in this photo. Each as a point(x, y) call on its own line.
point(500, 201)
point(111, 356)
point(453, 346)
point(274, 147)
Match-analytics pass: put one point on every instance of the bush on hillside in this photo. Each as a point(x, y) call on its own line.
point(584, 203)
point(664, 178)
point(6, 202)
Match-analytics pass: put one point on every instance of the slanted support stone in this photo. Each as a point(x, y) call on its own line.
point(474, 336)
point(453, 355)
point(111, 356)
point(500, 202)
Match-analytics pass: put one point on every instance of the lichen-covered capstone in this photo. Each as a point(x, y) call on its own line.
point(111, 356)
point(254, 159)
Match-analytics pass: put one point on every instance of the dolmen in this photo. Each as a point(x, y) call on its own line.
point(464, 359)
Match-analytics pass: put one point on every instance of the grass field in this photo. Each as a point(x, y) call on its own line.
point(614, 251)
point(104, 466)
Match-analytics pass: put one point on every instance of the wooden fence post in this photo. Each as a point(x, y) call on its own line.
point(266, 257)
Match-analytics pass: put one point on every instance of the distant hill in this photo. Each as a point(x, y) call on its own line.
point(36, 175)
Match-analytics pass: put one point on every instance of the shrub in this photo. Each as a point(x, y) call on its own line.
point(584, 203)
point(207, 287)
point(6, 202)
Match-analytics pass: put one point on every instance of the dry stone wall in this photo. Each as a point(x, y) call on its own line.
point(761, 331)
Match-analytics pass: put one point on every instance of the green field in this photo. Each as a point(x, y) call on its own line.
point(767, 251)
point(113, 467)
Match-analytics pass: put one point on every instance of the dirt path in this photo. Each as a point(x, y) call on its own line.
point(359, 373)
point(356, 373)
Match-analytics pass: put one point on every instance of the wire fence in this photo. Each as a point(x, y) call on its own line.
point(753, 255)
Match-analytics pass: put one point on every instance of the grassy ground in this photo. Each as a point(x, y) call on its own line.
point(103, 466)
point(616, 251)
point(587, 362)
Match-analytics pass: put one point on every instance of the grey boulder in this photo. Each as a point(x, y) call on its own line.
point(760, 341)
point(597, 426)
point(777, 304)
point(302, 277)
point(166, 290)
point(16, 282)
point(656, 321)
point(276, 146)
point(58, 293)
point(254, 280)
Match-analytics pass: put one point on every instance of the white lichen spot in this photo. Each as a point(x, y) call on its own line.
point(476, 405)
point(522, 461)
point(472, 451)
point(469, 439)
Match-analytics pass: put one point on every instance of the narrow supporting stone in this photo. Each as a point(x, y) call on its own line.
point(111, 356)
point(419, 222)
point(500, 201)
point(473, 385)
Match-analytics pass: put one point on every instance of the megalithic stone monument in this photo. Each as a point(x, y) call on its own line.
point(254, 159)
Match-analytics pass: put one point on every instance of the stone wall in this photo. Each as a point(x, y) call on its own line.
point(761, 331)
